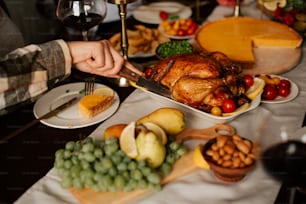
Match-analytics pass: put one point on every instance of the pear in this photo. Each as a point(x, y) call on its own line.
point(170, 119)
point(150, 148)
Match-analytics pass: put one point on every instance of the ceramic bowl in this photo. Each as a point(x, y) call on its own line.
point(227, 174)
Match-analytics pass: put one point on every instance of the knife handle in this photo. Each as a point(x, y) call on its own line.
point(18, 131)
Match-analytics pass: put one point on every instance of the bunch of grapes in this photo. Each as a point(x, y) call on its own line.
point(102, 166)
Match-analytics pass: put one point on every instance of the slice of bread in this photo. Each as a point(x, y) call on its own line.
point(91, 105)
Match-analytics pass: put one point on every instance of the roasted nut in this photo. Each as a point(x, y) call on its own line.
point(221, 140)
point(243, 147)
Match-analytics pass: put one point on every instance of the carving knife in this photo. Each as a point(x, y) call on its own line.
point(140, 82)
point(37, 120)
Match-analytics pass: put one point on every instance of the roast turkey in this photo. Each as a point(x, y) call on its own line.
point(201, 81)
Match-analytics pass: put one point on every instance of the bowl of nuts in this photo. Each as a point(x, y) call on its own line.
point(230, 157)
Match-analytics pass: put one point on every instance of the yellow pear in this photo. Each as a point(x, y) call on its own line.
point(170, 119)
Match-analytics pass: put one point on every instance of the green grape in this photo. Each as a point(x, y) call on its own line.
point(116, 158)
point(68, 164)
point(77, 183)
point(75, 160)
point(113, 171)
point(110, 149)
point(106, 163)
point(136, 174)
point(122, 167)
point(98, 176)
point(75, 170)
point(154, 187)
point(165, 168)
point(142, 184)
point(70, 145)
point(89, 156)
point(146, 170)
point(63, 172)
point(141, 163)
point(88, 147)
point(98, 152)
point(77, 146)
point(59, 163)
point(59, 153)
point(174, 146)
point(119, 182)
point(98, 166)
point(85, 164)
point(132, 165)
point(89, 182)
point(67, 154)
point(181, 151)
point(111, 140)
point(126, 174)
point(154, 178)
point(66, 182)
point(171, 158)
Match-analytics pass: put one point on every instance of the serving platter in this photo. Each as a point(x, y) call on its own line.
point(193, 111)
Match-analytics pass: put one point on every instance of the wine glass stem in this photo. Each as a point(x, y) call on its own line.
point(85, 35)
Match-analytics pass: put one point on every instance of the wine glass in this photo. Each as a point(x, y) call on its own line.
point(283, 157)
point(81, 14)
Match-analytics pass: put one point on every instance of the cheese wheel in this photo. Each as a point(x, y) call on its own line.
point(237, 36)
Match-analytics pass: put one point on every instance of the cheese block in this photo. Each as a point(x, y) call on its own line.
point(91, 105)
point(237, 36)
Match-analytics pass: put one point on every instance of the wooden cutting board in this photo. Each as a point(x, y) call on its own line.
point(182, 167)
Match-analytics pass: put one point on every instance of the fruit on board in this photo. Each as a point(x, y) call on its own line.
point(114, 131)
point(127, 141)
point(198, 158)
point(256, 88)
point(157, 130)
point(150, 148)
point(170, 119)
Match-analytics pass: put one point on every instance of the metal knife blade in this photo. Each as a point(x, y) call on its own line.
point(37, 120)
point(153, 87)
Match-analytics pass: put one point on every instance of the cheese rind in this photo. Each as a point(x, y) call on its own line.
point(236, 37)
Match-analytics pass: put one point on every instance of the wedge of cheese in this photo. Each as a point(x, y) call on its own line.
point(236, 37)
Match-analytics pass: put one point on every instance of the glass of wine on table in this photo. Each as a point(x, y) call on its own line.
point(283, 156)
point(81, 14)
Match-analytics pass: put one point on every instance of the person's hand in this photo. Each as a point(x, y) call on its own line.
point(98, 57)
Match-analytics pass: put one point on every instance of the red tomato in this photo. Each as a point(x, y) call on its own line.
point(270, 92)
point(163, 15)
point(148, 72)
point(283, 91)
point(180, 32)
point(284, 83)
point(228, 106)
point(248, 80)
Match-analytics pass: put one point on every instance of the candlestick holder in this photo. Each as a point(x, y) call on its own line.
point(122, 4)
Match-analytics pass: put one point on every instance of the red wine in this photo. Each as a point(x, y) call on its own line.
point(83, 22)
point(286, 162)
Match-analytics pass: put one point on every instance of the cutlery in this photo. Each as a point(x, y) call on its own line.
point(37, 120)
point(140, 82)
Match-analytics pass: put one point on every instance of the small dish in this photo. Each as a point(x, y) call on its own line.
point(70, 118)
point(226, 174)
point(293, 93)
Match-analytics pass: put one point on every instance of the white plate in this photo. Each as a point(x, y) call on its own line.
point(70, 118)
point(193, 111)
point(293, 93)
point(150, 13)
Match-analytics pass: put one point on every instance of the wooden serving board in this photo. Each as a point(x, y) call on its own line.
point(182, 167)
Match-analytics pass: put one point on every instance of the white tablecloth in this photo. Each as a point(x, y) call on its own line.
point(200, 186)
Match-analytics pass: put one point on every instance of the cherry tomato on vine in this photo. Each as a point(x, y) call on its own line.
point(163, 15)
point(228, 106)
